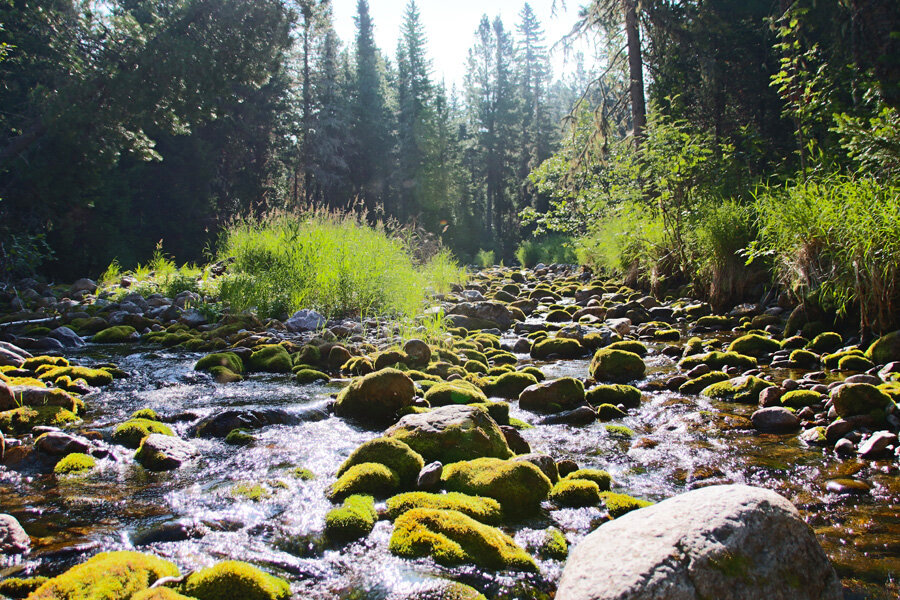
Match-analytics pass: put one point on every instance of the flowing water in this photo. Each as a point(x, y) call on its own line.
point(197, 515)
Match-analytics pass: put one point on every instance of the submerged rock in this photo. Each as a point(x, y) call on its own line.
point(731, 542)
point(220, 425)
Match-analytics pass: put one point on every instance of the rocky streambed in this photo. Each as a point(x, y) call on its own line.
point(558, 403)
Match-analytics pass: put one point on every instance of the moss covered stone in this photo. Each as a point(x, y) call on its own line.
point(21, 420)
point(160, 593)
point(715, 322)
point(804, 359)
point(239, 437)
point(486, 510)
point(390, 452)
point(94, 377)
point(354, 519)
point(365, 478)
point(451, 538)
point(667, 335)
point(858, 399)
point(828, 341)
point(119, 334)
point(855, 363)
point(575, 493)
point(376, 396)
point(698, 384)
point(561, 347)
point(744, 390)
point(235, 580)
point(718, 360)
point(452, 433)
point(224, 375)
point(609, 412)
point(620, 504)
point(17, 587)
point(272, 358)
point(454, 392)
point(518, 486)
point(885, 349)
point(800, 398)
point(602, 478)
point(554, 544)
point(619, 431)
point(833, 361)
point(754, 345)
point(228, 360)
point(145, 413)
point(107, 576)
point(74, 463)
point(560, 394)
point(310, 376)
point(617, 366)
point(131, 432)
point(633, 346)
point(35, 362)
point(615, 394)
point(510, 385)
point(358, 365)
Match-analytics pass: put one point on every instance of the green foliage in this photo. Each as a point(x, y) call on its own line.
point(235, 579)
point(355, 518)
point(485, 258)
point(443, 272)
point(547, 250)
point(74, 463)
point(486, 510)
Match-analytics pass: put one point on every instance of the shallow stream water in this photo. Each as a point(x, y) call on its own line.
point(195, 517)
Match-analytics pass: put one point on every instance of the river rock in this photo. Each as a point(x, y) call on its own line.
point(7, 397)
point(583, 415)
point(58, 443)
point(164, 452)
point(84, 285)
point(193, 318)
point(67, 337)
point(8, 358)
point(775, 419)
point(481, 315)
point(417, 352)
point(552, 396)
point(878, 444)
point(13, 539)
point(729, 542)
point(452, 433)
point(544, 462)
point(429, 478)
point(858, 399)
point(770, 396)
point(514, 440)
point(221, 424)
point(305, 320)
point(377, 396)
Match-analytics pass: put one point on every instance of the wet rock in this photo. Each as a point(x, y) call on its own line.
point(740, 389)
point(13, 539)
point(775, 419)
point(174, 531)
point(481, 315)
point(164, 452)
point(452, 433)
point(770, 396)
point(583, 415)
point(616, 366)
point(418, 352)
point(514, 440)
point(552, 396)
point(83, 285)
point(305, 320)
point(847, 486)
point(621, 326)
point(7, 397)
point(219, 425)
point(878, 444)
point(39, 397)
point(44, 344)
point(844, 447)
point(837, 430)
point(430, 477)
point(566, 466)
point(698, 371)
point(376, 397)
point(858, 399)
point(544, 462)
point(67, 337)
point(730, 542)
point(885, 349)
point(58, 443)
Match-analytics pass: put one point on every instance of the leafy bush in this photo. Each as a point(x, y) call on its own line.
point(442, 271)
point(548, 250)
point(485, 258)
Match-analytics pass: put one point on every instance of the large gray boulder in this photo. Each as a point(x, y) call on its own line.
point(164, 452)
point(481, 315)
point(13, 539)
point(729, 542)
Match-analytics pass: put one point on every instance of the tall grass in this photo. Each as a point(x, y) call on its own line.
point(549, 249)
point(837, 240)
point(720, 233)
point(333, 263)
point(485, 258)
point(443, 272)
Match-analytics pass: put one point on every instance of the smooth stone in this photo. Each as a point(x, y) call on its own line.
point(844, 447)
point(13, 539)
point(847, 486)
point(514, 440)
point(305, 320)
point(544, 462)
point(771, 397)
point(878, 444)
point(58, 443)
point(67, 337)
point(863, 378)
point(221, 424)
point(164, 452)
point(430, 477)
point(583, 415)
point(775, 419)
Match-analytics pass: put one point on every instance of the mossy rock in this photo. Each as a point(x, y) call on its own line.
point(145, 413)
point(610, 412)
point(698, 384)
point(715, 322)
point(94, 377)
point(855, 363)
point(118, 334)
point(616, 366)
point(21, 420)
point(499, 411)
point(833, 361)
point(131, 432)
point(718, 360)
point(272, 358)
point(312, 355)
point(365, 478)
point(519, 487)
point(795, 342)
point(310, 376)
point(390, 358)
point(107, 576)
point(17, 587)
point(377, 396)
point(452, 433)
point(615, 394)
point(248, 490)
point(743, 390)
point(510, 385)
point(853, 399)
point(32, 363)
point(392, 453)
point(358, 366)
point(633, 346)
point(486, 510)
point(224, 375)
point(228, 360)
point(561, 347)
point(602, 478)
point(828, 341)
point(885, 349)
point(239, 437)
point(800, 398)
point(454, 392)
point(619, 504)
point(666, 335)
point(235, 580)
point(160, 593)
point(354, 519)
point(754, 345)
point(619, 431)
point(558, 395)
point(804, 359)
point(575, 493)
point(554, 545)
point(74, 463)
point(451, 538)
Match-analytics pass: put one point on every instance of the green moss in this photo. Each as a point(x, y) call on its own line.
point(499, 411)
point(33, 363)
point(602, 478)
point(454, 392)
point(575, 493)
point(115, 335)
point(94, 377)
point(107, 576)
point(235, 580)
point(633, 346)
point(486, 510)
point(451, 538)
point(804, 358)
point(239, 437)
point(392, 453)
point(754, 345)
point(358, 365)
point(698, 384)
point(21, 420)
point(519, 424)
point(131, 432)
point(733, 566)
point(376, 396)
point(145, 413)
point(17, 587)
point(618, 366)
point(801, 398)
point(303, 474)
point(254, 492)
point(885, 349)
point(718, 360)
point(794, 342)
point(609, 412)
point(564, 348)
point(859, 399)
point(833, 361)
point(855, 363)
point(667, 335)
point(74, 463)
point(554, 545)
point(518, 486)
point(160, 593)
point(365, 478)
point(510, 385)
point(744, 390)
point(354, 519)
point(229, 360)
point(828, 341)
point(615, 394)
point(310, 376)
point(715, 322)
point(620, 504)
point(693, 346)
point(619, 431)
point(272, 358)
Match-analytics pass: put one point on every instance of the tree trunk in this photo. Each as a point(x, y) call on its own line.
point(635, 70)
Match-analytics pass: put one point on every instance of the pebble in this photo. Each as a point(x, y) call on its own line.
point(878, 444)
point(847, 486)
